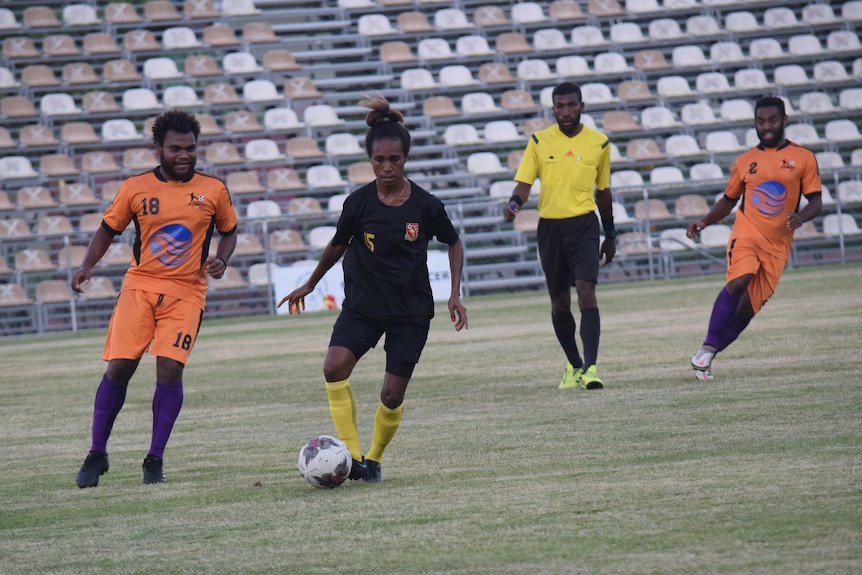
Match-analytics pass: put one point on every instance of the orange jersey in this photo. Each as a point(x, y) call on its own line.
point(174, 223)
point(771, 182)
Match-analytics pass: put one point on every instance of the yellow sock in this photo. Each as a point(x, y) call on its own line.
point(386, 422)
point(342, 407)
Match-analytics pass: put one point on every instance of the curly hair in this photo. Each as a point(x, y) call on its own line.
point(384, 123)
point(179, 121)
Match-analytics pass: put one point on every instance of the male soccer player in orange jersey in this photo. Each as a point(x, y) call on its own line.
point(175, 209)
point(771, 179)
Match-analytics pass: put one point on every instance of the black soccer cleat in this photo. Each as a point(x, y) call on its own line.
point(95, 465)
point(153, 472)
point(357, 470)
point(372, 473)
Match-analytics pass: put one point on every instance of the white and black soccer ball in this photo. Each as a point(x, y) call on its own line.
point(325, 462)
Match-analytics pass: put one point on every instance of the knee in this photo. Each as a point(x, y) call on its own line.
point(120, 371)
point(168, 370)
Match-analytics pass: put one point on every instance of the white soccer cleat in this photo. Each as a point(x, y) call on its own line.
point(702, 364)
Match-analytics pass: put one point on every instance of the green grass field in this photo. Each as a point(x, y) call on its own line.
point(494, 470)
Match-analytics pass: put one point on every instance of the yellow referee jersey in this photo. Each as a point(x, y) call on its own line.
point(569, 169)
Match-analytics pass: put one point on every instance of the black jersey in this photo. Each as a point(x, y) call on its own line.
point(385, 265)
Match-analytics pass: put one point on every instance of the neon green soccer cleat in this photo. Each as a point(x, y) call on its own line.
point(590, 379)
point(572, 377)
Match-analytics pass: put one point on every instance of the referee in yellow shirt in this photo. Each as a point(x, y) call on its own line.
point(572, 161)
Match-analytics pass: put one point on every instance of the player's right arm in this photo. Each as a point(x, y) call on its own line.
point(522, 193)
point(296, 299)
point(99, 244)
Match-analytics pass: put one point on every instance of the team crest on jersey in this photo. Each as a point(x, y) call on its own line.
point(412, 232)
point(197, 200)
point(788, 165)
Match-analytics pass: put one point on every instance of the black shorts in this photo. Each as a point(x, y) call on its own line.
point(569, 250)
point(405, 339)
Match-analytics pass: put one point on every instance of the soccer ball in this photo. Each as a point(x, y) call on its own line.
point(324, 462)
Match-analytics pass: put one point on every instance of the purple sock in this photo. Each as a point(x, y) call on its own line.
point(109, 400)
point(167, 402)
point(723, 315)
point(731, 333)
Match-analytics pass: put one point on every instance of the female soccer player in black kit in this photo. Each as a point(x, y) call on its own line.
point(383, 234)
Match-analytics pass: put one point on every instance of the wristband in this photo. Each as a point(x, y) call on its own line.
point(608, 226)
point(222, 261)
point(516, 199)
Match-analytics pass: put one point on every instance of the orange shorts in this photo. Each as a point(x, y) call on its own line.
point(142, 320)
point(744, 256)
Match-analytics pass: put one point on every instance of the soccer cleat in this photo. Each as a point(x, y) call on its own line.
point(572, 377)
point(590, 379)
point(153, 472)
point(704, 374)
point(357, 470)
point(701, 361)
point(95, 465)
point(372, 473)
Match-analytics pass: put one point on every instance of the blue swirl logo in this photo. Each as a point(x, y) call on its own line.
point(170, 245)
point(769, 198)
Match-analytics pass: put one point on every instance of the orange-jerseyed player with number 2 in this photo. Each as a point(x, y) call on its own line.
point(771, 179)
point(175, 210)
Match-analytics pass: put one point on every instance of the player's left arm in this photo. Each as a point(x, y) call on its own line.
point(217, 265)
point(457, 310)
point(812, 189)
point(605, 204)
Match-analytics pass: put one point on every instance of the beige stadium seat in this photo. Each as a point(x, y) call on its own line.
point(242, 121)
point(281, 241)
point(99, 162)
point(360, 173)
point(33, 260)
point(222, 153)
point(281, 60)
point(512, 43)
point(17, 47)
point(17, 107)
point(412, 22)
point(200, 9)
point(643, 149)
point(517, 101)
point(77, 194)
point(53, 291)
point(244, 182)
point(122, 13)
point(60, 45)
point(118, 254)
point(54, 225)
point(304, 207)
point(490, 16)
point(300, 88)
point(201, 65)
point(221, 93)
point(220, 36)
point(565, 11)
point(99, 101)
point(650, 59)
point(439, 107)
point(37, 135)
point(71, 257)
point(6, 139)
point(141, 41)
point(303, 147)
point(139, 159)
point(248, 244)
point(79, 73)
point(259, 33)
point(40, 17)
point(78, 133)
point(35, 197)
point(57, 165)
point(39, 76)
point(120, 70)
point(495, 73)
point(13, 228)
point(160, 11)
